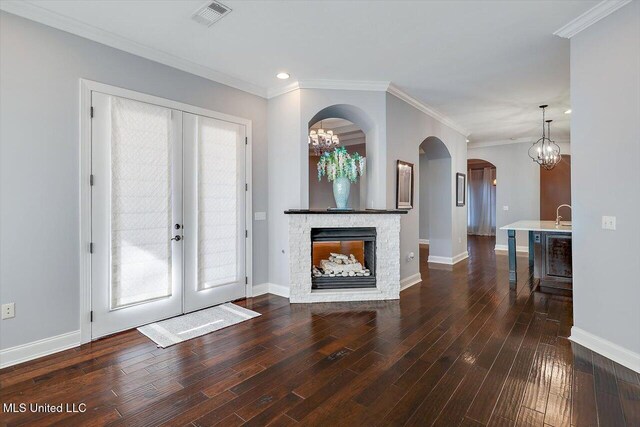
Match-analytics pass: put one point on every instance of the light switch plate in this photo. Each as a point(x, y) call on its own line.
point(608, 222)
point(505, 208)
point(260, 216)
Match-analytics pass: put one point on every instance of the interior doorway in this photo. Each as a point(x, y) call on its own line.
point(168, 210)
point(436, 200)
point(481, 189)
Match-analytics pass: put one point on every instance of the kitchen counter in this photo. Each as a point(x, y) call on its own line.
point(549, 252)
point(536, 225)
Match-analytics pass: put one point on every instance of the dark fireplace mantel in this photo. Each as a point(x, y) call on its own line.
point(344, 211)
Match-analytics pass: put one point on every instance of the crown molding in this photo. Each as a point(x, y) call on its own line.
point(427, 109)
point(274, 92)
point(375, 86)
point(484, 144)
point(44, 16)
point(590, 17)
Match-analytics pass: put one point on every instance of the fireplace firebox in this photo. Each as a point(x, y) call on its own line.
point(343, 258)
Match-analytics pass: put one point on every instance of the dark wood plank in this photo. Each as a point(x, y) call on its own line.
point(529, 417)
point(558, 411)
point(604, 375)
point(584, 411)
point(625, 374)
point(630, 398)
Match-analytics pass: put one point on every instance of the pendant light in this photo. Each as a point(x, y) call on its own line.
point(545, 151)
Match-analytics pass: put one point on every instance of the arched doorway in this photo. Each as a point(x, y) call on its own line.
point(436, 200)
point(481, 195)
point(353, 139)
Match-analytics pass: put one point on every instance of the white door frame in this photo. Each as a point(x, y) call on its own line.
point(86, 87)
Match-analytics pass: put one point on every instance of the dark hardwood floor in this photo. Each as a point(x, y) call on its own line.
point(458, 349)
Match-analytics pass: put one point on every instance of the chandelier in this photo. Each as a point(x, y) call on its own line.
point(545, 151)
point(322, 140)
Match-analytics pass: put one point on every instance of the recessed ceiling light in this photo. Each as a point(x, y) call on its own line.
point(283, 76)
point(467, 140)
point(568, 111)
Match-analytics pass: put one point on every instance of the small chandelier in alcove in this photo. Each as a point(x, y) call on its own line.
point(545, 151)
point(322, 141)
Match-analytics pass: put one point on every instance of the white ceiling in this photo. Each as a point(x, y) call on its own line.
point(486, 65)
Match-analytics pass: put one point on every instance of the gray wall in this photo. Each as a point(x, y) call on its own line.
point(605, 177)
point(423, 203)
point(285, 178)
point(39, 158)
point(438, 205)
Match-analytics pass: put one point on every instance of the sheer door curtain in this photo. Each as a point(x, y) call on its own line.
point(482, 202)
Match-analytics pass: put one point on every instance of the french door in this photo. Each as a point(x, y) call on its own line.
point(214, 201)
point(167, 213)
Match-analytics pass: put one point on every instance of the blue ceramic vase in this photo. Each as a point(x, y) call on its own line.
point(341, 187)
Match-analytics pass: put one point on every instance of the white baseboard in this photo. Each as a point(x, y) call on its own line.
point(448, 260)
point(260, 289)
point(606, 348)
point(410, 281)
point(460, 257)
point(33, 350)
point(423, 241)
point(282, 291)
point(505, 248)
point(271, 288)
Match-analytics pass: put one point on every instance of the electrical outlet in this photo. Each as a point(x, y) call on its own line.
point(8, 310)
point(260, 216)
point(608, 222)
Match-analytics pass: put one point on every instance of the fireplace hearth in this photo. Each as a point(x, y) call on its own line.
point(343, 258)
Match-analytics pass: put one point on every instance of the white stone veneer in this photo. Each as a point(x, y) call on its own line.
point(387, 253)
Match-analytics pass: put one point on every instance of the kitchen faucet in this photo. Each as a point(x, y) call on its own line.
point(558, 217)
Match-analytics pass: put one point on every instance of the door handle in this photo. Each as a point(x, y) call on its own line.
point(177, 238)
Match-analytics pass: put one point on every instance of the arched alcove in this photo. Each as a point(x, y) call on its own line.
point(344, 111)
point(481, 197)
point(359, 125)
point(436, 198)
point(353, 139)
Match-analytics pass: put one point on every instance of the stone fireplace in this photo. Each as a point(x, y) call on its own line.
point(344, 255)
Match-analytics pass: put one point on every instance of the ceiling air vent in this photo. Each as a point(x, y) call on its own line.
point(211, 13)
